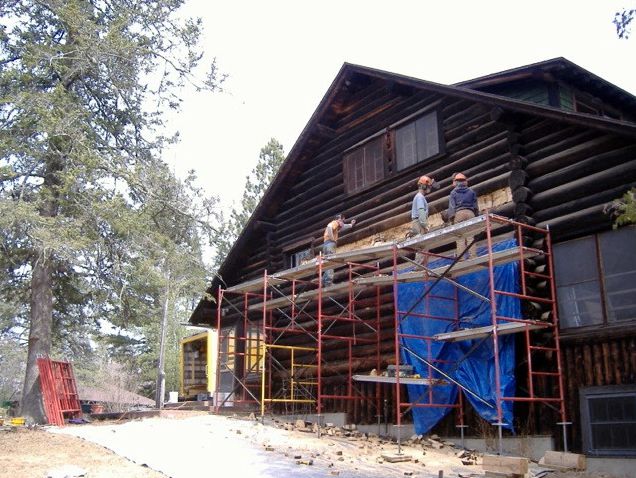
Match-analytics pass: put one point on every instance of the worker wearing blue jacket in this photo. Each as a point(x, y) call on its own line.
point(462, 205)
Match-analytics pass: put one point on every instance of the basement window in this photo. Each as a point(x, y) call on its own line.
point(299, 257)
point(608, 420)
point(417, 141)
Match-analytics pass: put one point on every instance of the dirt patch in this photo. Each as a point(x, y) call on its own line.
point(32, 453)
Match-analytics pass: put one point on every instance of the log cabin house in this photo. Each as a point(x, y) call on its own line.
point(547, 145)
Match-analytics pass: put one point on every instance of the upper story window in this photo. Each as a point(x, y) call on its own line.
point(582, 102)
point(417, 141)
point(364, 165)
point(596, 279)
point(414, 141)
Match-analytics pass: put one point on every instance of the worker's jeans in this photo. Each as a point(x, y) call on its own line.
point(328, 247)
point(463, 242)
point(418, 228)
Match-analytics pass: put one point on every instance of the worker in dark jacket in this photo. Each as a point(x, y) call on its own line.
point(462, 205)
point(330, 239)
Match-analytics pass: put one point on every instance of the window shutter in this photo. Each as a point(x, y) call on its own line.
point(346, 173)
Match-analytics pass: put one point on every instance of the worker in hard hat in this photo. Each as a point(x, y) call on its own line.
point(330, 239)
point(462, 205)
point(419, 206)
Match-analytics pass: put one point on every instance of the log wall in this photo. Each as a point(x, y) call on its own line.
point(558, 175)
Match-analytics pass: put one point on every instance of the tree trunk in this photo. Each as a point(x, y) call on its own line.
point(161, 374)
point(39, 337)
point(41, 324)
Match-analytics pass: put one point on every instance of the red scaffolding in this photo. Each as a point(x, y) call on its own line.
point(59, 392)
point(293, 311)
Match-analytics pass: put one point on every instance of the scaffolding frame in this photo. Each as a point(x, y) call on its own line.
point(293, 302)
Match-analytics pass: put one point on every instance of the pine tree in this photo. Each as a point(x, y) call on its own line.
point(83, 87)
point(270, 159)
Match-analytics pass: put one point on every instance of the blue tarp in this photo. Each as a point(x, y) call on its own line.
point(469, 362)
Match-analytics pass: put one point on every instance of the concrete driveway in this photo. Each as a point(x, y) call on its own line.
point(207, 444)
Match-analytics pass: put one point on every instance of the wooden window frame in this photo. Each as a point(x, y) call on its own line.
point(358, 156)
point(601, 278)
point(293, 256)
point(586, 394)
point(441, 146)
point(388, 152)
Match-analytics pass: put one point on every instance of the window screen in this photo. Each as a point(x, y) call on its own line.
point(577, 281)
point(417, 141)
point(618, 259)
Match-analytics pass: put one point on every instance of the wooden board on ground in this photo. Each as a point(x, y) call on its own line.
point(505, 464)
point(563, 461)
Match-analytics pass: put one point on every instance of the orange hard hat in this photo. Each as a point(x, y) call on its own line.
point(425, 180)
point(459, 177)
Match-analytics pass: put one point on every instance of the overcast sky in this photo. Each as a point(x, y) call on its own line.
point(281, 56)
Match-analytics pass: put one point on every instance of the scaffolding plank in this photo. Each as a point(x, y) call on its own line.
point(430, 240)
point(331, 291)
point(403, 380)
point(461, 268)
point(480, 332)
point(446, 235)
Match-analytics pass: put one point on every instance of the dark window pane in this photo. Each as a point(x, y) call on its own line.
point(578, 286)
point(580, 305)
point(601, 436)
point(598, 409)
point(575, 261)
point(618, 256)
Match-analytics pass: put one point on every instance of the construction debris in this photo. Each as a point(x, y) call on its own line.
point(67, 471)
point(396, 457)
point(468, 457)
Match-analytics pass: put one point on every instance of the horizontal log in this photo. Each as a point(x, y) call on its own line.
point(563, 158)
point(539, 132)
point(557, 139)
point(588, 185)
point(568, 207)
point(481, 130)
point(583, 168)
point(588, 219)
